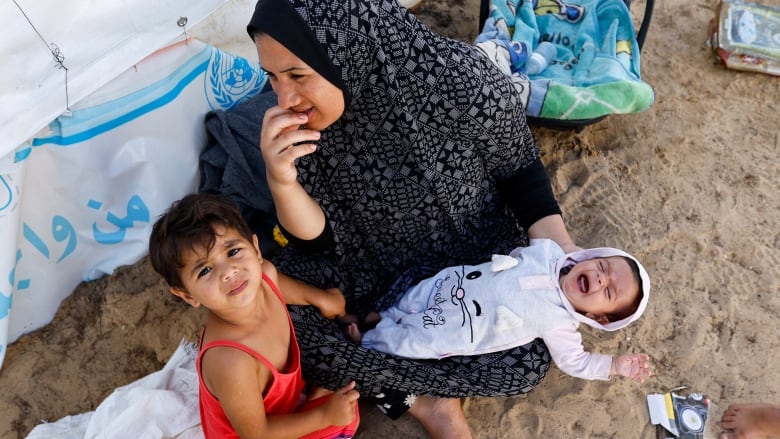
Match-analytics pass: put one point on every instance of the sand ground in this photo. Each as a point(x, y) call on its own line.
point(690, 187)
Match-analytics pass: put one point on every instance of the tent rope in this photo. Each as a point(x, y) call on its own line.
point(59, 57)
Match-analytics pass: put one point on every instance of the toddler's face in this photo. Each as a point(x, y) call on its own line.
point(226, 276)
point(600, 287)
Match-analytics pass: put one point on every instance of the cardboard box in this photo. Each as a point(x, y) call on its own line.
point(683, 417)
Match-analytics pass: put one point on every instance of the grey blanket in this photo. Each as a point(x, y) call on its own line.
point(231, 164)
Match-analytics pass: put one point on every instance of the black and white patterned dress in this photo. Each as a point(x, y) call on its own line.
point(408, 181)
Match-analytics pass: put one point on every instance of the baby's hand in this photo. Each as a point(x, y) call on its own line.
point(634, 366)
point(340, 407)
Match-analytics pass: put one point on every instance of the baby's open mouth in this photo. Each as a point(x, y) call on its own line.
point(582, 283)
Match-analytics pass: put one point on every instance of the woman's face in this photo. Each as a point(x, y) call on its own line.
point(299, 87)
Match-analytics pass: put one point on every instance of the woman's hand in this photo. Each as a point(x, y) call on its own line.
point(282, 141)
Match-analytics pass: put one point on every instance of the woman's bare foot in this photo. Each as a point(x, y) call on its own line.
point(751, 421)
point(442, 418)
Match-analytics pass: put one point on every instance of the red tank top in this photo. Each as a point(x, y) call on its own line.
point(283, 397)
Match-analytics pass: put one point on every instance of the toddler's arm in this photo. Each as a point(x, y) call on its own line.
point(340, 408)
point(232, 376)
point(330, 302)
point(634, 366)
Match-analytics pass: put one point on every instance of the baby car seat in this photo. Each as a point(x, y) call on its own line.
point(595, 69)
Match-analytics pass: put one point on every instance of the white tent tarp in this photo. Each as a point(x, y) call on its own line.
point(96, 41)
point(78, 194)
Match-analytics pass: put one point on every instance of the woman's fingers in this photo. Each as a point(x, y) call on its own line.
point(298, 142)
point(283, 140)
point(281, 129)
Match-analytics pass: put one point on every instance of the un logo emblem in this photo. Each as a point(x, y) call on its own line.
point(231, 79)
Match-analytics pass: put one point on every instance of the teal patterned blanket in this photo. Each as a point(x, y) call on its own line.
point(596, 70)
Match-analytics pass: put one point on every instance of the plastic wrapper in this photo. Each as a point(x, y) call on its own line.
point(746, 36)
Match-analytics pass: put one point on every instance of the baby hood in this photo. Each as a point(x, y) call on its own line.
point(605, 252)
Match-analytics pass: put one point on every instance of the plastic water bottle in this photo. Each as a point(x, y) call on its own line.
point(539, 60)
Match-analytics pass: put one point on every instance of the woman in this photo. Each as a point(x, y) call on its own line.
point(413, 145)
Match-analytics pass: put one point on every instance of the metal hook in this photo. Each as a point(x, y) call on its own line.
point(182, 23)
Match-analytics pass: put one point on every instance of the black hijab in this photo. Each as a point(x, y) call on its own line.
point(407, 178)
point(408, 174)
point(279, 20)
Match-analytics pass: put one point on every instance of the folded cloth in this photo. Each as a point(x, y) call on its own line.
point(162, 404)
point(596, 70)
